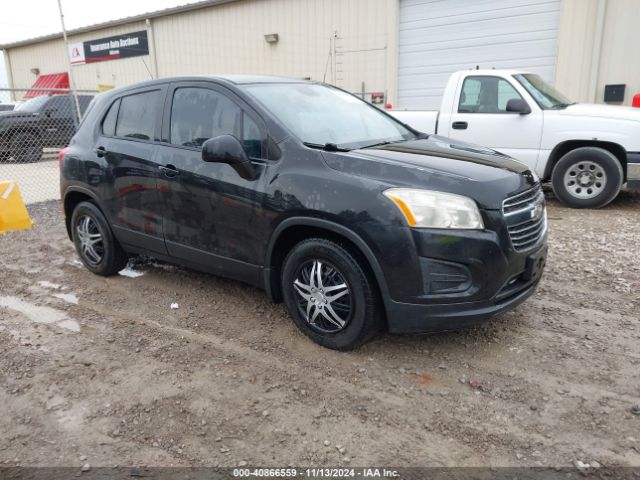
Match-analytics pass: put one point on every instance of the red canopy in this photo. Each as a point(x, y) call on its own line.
point(53, 80)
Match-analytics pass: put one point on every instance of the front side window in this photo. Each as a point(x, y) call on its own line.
point(484, 94)
point(544, 94)
point(318, 114)
point(198, 114)
point(137, 115)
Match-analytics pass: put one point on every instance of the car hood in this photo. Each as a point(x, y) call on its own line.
point(601, 111)
point(441, 164)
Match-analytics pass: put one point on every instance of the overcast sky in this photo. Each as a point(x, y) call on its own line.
point(22, 19)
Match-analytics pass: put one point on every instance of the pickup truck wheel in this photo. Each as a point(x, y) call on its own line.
point(333, 300)
point(98, 249)
point(587, 177)
point(25, 147)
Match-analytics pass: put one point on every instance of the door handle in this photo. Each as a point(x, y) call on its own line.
point(169, 170)
point(100, 152)
point(459, 125)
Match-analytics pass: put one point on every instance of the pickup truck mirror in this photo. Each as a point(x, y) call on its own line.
point(517, 105)
point(228, 149)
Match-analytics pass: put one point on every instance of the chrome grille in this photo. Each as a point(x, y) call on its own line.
point(526, 218)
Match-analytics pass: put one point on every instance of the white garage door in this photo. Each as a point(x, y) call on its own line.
point(438, 37)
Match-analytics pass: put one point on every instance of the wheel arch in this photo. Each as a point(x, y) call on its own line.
point(563, 148)
point(72, 197)
point(293, 230)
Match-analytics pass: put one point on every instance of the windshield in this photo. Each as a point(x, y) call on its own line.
point(33, 105)
point(544, 94)
point(319, 114)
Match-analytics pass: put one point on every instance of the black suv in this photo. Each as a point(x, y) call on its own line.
point(46, 121)
point(358, 222)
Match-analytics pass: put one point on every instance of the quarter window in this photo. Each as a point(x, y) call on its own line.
point(137, 115)
point(109, 122)
point(486, 95)
point(198, 114)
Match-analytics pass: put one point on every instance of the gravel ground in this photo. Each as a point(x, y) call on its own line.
point(102, 371)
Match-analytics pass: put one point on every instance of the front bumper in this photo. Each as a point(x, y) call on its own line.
point(421, 318)
point(633, 171)
point(478, 275)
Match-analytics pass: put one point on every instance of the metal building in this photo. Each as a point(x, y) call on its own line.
point(400, 51)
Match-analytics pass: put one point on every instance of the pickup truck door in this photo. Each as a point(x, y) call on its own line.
point(57, 121)
point(480, 116)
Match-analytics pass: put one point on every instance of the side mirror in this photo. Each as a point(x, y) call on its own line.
point(228, 149)
point(517, 105)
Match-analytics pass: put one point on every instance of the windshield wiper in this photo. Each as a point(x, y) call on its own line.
point(381, 144)
point(327, 147)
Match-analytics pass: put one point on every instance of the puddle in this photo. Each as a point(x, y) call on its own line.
point(38, 314)
point(67, 297)
point(46, 284)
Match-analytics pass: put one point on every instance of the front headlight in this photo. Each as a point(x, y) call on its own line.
point(427, 209)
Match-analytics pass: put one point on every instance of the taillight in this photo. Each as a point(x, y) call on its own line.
point(636, 101)
point(61, 155)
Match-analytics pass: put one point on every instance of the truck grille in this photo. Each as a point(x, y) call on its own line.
point(526, 218)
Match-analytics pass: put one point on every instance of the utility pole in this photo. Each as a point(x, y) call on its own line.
point(71, 77)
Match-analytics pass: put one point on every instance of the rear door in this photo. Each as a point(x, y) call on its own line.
point(128, 145)
point(212, 216)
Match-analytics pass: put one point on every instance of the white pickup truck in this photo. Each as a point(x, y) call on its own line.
point(588, 152)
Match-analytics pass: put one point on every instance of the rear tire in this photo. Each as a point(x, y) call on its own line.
point(97, 248)
point(26, 147)
point(587, 177)
point(331, 296)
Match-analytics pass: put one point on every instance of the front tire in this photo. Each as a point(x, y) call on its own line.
point(330, 294)
point(97, 248)
point(587, 177)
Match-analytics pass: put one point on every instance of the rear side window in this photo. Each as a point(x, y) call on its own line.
point(137, 115)
point(109, 122)
point(198, 114)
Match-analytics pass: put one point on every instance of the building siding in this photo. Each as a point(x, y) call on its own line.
point(374, 51)
point(229, 38)
point(50, 57)
point(615, 62)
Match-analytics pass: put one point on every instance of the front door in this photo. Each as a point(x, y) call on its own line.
point(481, 117)
point(127, 144)
point(211, 214)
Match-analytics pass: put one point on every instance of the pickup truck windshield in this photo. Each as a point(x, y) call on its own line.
point(33, 105)
point(544, 94)
point(321, 115)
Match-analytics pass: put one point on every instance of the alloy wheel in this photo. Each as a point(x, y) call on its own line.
point(324, 297)
point(90, 239)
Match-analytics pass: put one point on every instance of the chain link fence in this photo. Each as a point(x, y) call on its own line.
point(35, 124)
